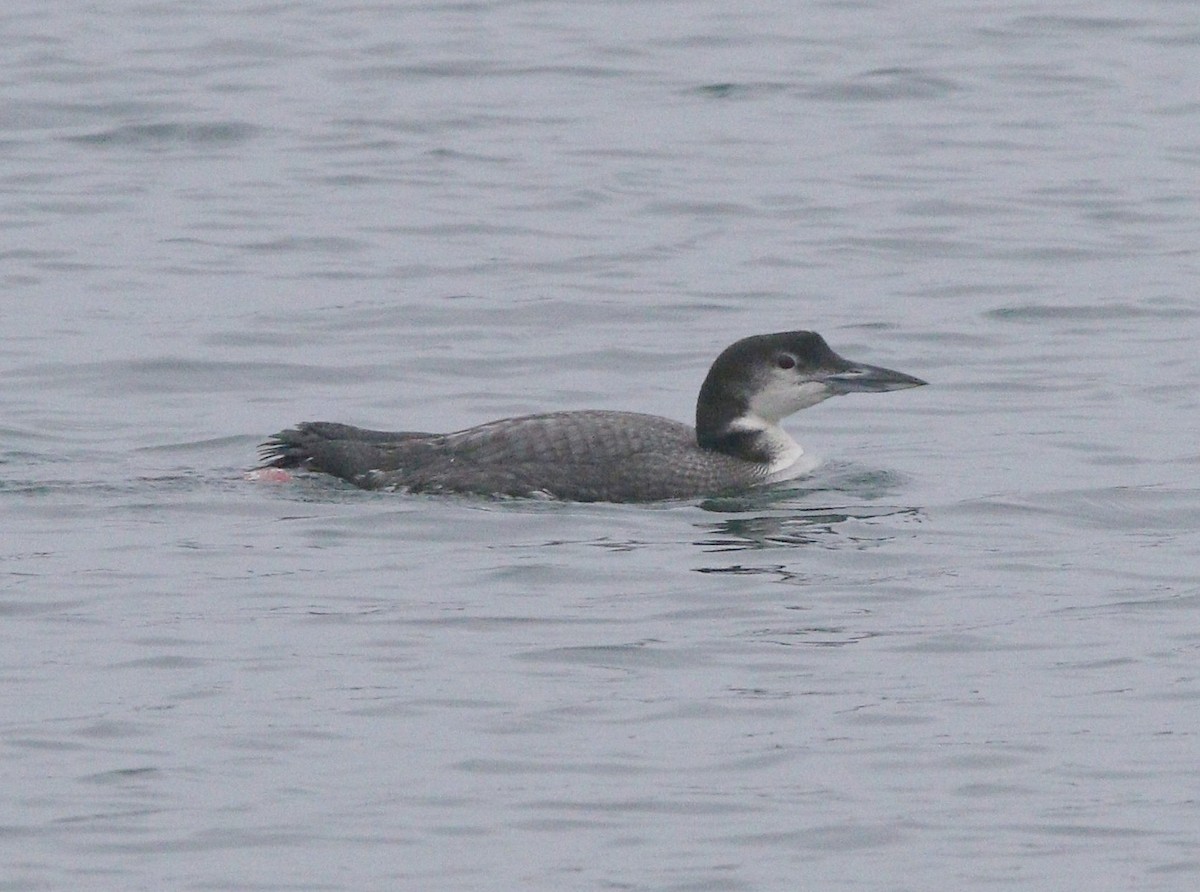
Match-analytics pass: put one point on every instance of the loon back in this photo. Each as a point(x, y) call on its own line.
point(585, 456)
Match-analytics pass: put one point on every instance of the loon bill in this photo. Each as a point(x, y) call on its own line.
point(606, 456)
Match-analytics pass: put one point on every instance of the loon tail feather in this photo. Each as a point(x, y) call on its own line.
point(351, 453)
point(289, 448)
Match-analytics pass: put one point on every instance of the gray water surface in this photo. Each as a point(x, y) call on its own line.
point(962, 655)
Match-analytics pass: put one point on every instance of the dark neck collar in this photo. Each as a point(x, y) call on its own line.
point(746, 444)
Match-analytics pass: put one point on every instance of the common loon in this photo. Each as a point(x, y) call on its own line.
point(606, 456)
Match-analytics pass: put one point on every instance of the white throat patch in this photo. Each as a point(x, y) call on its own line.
point(781, 396)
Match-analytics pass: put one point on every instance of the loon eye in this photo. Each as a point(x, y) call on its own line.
point(785, 361)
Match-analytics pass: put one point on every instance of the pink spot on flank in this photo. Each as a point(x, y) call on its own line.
point(269, 475)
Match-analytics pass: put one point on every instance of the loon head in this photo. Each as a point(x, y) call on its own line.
point(760, 380)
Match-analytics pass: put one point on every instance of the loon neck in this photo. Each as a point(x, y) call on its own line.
point(753, 440)
point(727, 422)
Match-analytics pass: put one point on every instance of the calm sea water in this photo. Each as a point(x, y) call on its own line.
point(963, 655)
